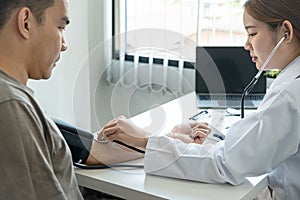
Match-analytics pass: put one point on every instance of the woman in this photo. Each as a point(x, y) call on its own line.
point(264, 142)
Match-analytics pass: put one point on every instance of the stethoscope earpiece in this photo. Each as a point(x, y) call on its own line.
point(286, 34)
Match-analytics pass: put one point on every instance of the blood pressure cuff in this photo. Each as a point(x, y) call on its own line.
point(78, 140)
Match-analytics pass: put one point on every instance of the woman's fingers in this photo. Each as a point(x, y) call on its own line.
point(115, 135)
point(108, 129)
point(199, 135)
point(199, 125)
point(198, 141)
point(199, 131)
point(111, 124)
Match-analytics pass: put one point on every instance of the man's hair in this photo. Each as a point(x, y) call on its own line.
point(37, 7)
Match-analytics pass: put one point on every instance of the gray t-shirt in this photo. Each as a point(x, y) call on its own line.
point(35, 160)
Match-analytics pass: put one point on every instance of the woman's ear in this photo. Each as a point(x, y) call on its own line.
point(23, 25)
point(286, 29)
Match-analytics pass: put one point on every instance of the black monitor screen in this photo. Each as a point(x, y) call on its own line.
point(225, 69)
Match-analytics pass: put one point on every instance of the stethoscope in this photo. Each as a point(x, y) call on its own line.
point(248, 88)
point(253, 82)
point(104, 140)
point(103, 166)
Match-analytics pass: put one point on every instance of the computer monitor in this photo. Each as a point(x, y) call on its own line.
point(232, 64)
point(226, 71)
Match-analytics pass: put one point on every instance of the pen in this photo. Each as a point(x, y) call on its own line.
point(199, 113)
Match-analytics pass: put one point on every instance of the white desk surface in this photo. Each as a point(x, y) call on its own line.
point(132, 183)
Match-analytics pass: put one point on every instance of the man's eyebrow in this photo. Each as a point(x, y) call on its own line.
point(66, 20)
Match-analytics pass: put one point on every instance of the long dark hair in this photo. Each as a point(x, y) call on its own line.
point(274, 12)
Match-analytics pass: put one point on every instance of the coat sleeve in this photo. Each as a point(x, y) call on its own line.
point(253, 146)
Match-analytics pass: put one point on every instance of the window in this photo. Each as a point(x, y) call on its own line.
point(173, 28)
point(154, 41)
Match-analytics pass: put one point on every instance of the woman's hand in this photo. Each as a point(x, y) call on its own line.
point(122, 129)
point(190, 132)
point(200, 132)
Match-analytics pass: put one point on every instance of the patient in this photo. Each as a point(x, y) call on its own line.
point(36, 161)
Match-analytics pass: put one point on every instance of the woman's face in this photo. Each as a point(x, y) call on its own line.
point(260, 42)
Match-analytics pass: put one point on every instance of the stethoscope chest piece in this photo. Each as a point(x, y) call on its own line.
point(103, 139)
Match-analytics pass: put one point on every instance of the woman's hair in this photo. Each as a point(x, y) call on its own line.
point(37, 7)
point(274, 12)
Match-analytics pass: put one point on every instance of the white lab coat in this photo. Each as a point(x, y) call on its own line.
point(264, 142)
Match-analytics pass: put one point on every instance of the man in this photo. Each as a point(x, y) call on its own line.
point(36, 162)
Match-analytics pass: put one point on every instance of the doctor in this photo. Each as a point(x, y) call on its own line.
point(264, 142)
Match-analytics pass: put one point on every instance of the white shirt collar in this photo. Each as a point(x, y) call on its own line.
point(289, 73)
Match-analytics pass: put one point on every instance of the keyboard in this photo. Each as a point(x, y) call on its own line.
point(230, 97)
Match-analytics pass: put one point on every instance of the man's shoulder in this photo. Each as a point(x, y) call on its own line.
point(11, 90)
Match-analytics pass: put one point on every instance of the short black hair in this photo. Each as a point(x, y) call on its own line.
point(37, 7)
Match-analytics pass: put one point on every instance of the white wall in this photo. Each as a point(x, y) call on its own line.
point(77, 91)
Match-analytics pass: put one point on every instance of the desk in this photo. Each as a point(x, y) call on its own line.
point(131, 183)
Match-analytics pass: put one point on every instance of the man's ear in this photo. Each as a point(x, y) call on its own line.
point(23, 18)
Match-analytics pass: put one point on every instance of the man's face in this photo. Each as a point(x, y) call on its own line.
point(48, 41)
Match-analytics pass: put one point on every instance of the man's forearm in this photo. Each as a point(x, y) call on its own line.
point(110, 153)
